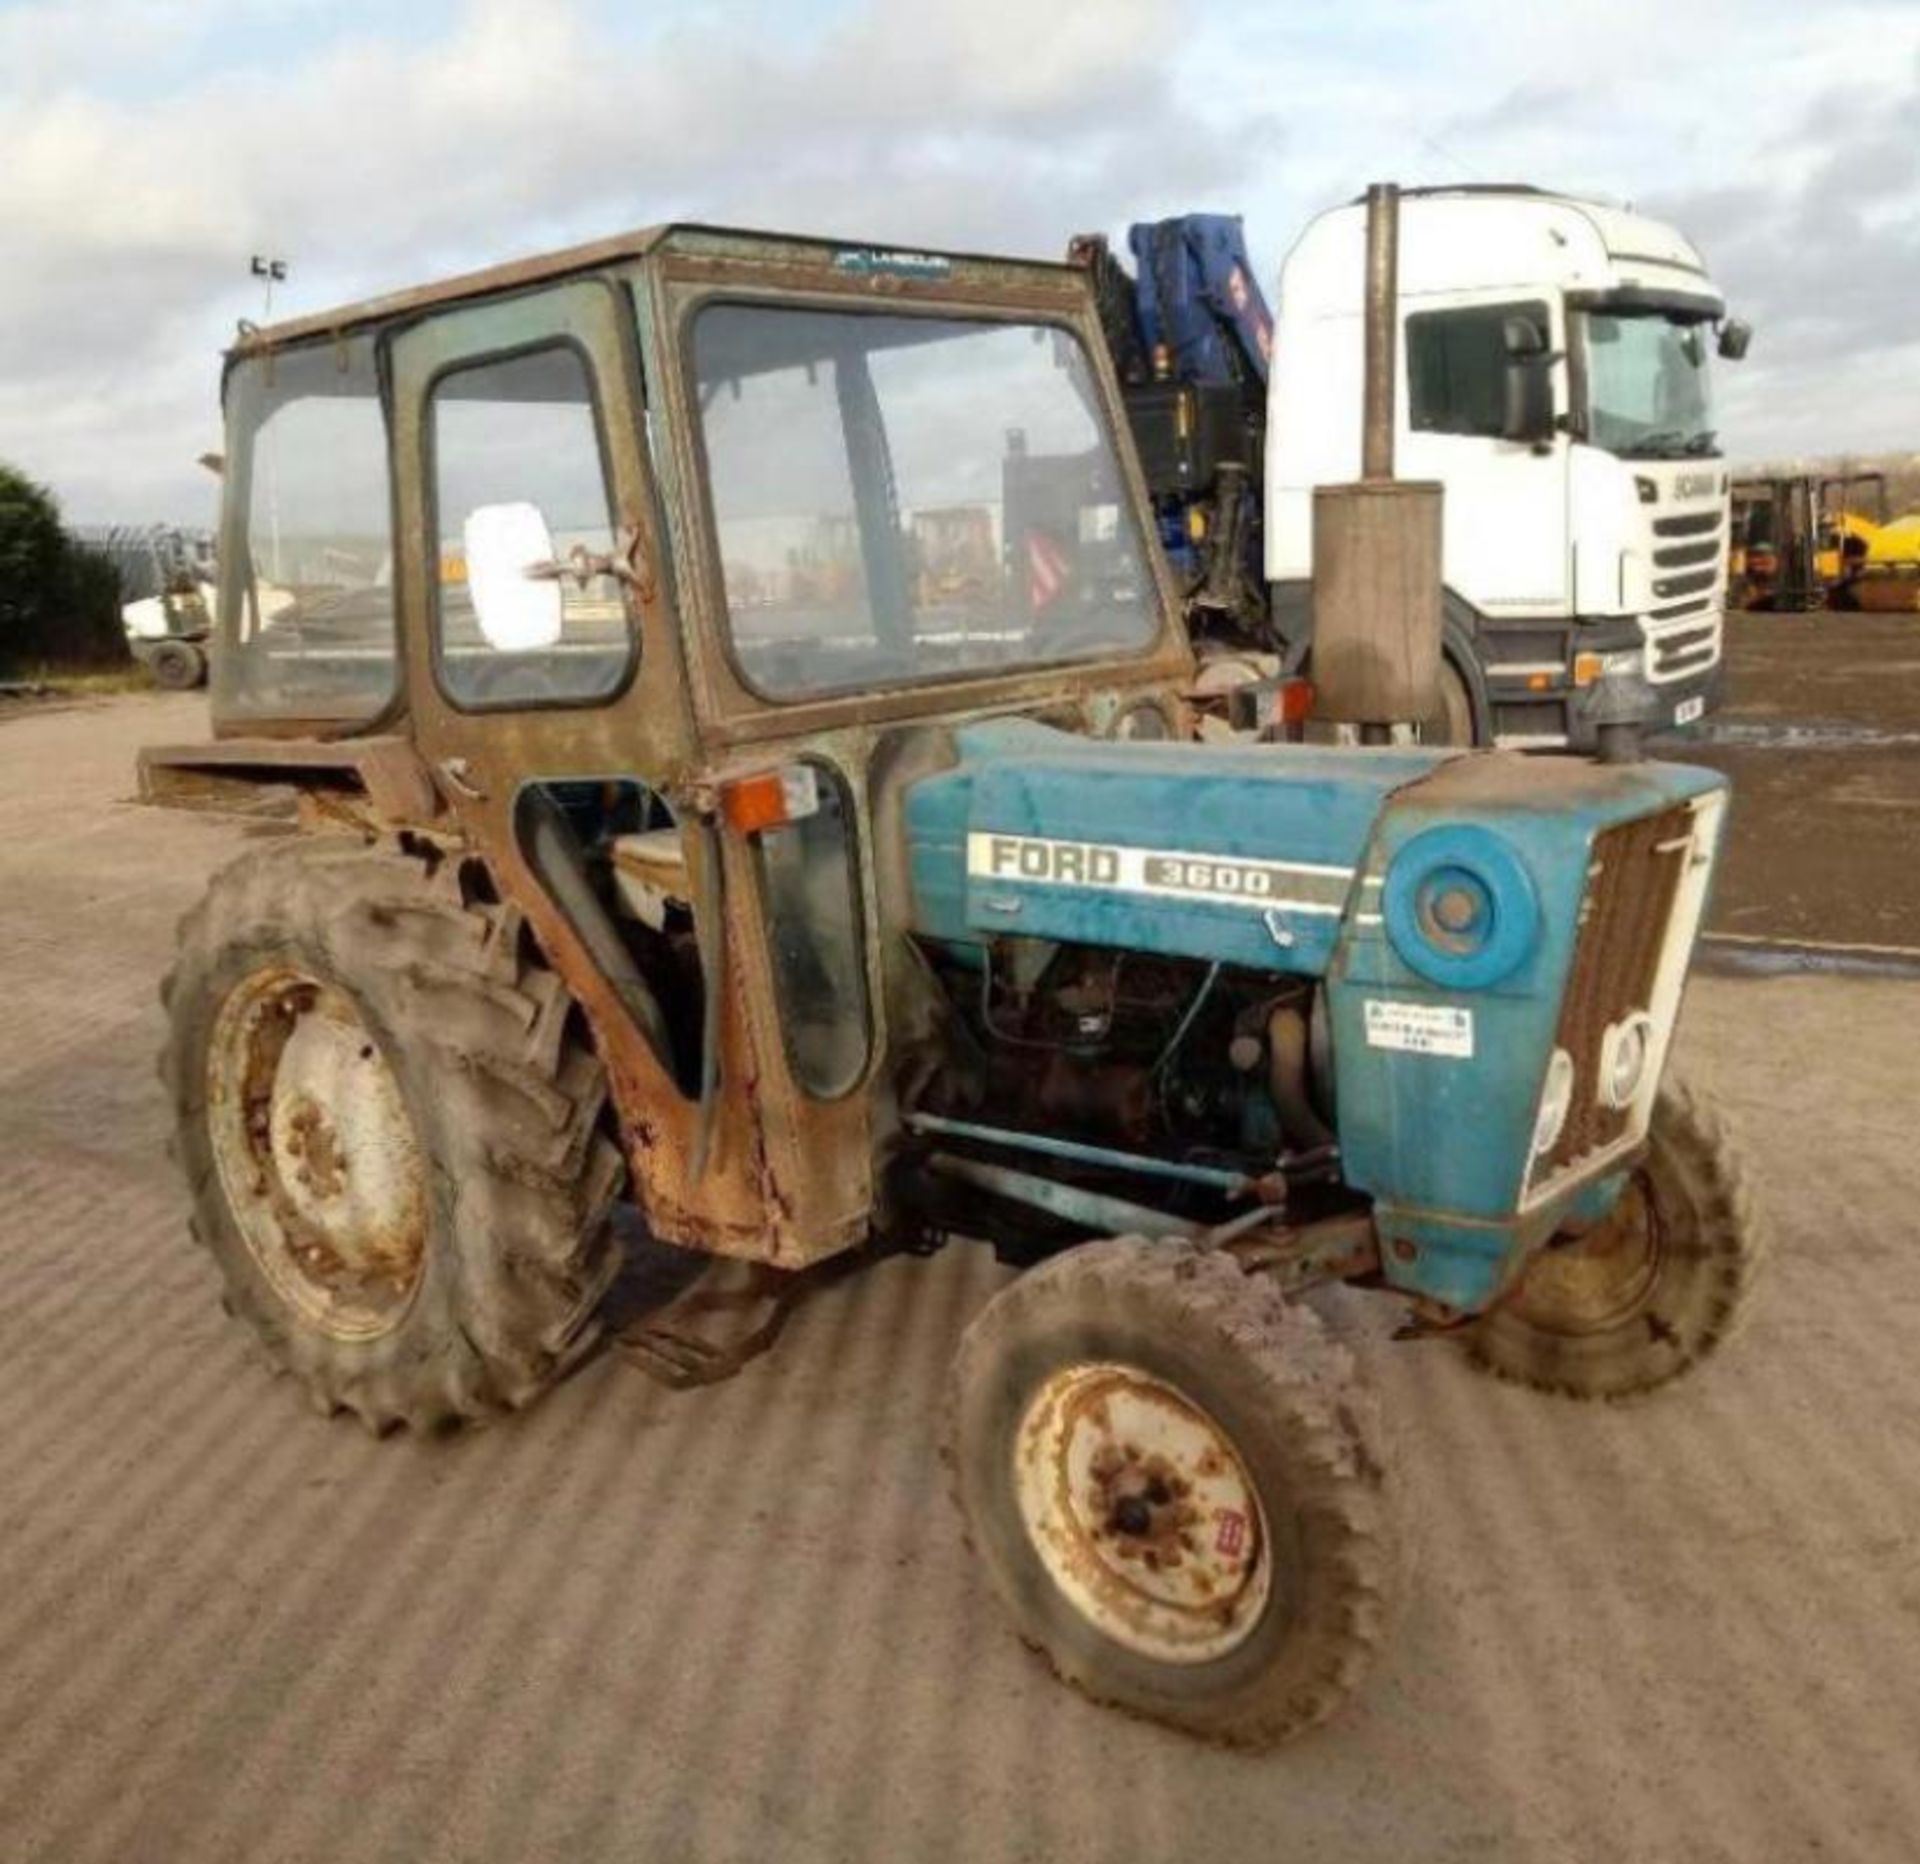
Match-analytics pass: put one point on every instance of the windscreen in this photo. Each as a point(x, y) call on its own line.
point(902, 499)
point(1649, 389)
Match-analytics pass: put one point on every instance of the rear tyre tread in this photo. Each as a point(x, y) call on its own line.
point(524, 1170)
point(1721, 1267)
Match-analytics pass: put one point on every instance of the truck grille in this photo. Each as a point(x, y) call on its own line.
point(1632, 884)
point(1690, 524)
point(1682, 640)
point(1688, 562)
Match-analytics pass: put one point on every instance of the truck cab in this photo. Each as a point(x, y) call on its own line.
point(1556, 377)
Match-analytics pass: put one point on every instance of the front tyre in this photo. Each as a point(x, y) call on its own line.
point(1451, 721)
point(177, 666)
point(1179, 1488)
point(391, 1124)
point(1645, 1295)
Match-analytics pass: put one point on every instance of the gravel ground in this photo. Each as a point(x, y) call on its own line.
point(1822, 740)
point(740, 1623)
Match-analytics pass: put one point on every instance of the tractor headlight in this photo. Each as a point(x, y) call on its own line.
point(1555, 1100)
point(1460, 907)
point(1625, 1051)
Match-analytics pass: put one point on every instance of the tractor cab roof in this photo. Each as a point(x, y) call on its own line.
point(798, 258)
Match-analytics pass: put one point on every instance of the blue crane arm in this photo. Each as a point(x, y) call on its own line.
point(1199, 300)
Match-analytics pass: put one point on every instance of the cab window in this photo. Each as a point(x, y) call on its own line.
point(1457, 368)
point(903, 499)
point(529, 611)
point(307, 615)
point(810, 878)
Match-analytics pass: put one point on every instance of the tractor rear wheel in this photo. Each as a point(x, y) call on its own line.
point(391, 1124)
point(1179, 1488)
point(1649, 1292)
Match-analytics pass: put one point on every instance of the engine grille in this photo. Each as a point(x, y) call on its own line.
point(1631, 887)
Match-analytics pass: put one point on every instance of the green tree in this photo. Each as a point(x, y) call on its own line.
point(58, 600)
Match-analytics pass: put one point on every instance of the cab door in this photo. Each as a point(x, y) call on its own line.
point(1506, 549)
point(549, 698)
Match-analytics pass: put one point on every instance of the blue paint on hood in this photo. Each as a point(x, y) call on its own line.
point(1310, 807)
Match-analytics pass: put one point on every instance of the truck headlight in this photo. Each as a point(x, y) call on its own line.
point(1625, 1051)
point(1590, 665)
point(1555, 1100)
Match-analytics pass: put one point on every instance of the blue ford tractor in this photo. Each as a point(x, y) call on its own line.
point(693, 865)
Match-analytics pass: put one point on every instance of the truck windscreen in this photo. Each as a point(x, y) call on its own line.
point(1649, 386)
point(907, 498)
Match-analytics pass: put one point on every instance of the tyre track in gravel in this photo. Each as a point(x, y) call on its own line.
point(738, 1623)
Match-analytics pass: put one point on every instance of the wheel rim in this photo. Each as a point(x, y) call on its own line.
point(1592, 1282)
point(317, 1154)
point(1141, 1511)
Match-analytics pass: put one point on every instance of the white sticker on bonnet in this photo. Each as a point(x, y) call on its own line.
point(1420, 1028)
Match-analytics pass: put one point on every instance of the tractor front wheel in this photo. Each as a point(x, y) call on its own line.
point(1646, 1294)
point(1179, 1488)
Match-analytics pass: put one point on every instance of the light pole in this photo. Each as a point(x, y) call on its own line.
point(271, 272)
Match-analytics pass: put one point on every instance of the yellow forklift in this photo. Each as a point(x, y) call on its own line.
point(1802, 542)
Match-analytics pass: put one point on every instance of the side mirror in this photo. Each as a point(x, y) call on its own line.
point(1523, 337)
point(1735, 334)
point(1528, 414)
point(507, 546)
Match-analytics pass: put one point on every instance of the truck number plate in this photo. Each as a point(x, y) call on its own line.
point(1420, 1028)
point(1688, 710)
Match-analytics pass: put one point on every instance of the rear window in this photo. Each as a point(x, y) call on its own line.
point(905, 499)
point(307, 614)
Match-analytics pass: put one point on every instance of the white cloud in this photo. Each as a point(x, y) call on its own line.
point(128, 220)
point(372, 158)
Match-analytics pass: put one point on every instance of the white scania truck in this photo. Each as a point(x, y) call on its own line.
point(1555, 376)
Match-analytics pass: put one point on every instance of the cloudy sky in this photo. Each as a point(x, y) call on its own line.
point(152, 145)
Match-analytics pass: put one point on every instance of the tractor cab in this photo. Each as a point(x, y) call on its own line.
point(623, 564)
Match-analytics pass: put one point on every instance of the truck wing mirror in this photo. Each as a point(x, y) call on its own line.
point(1735, 334)
point(1528, 415)
point(508, 552)
point(1523, 337)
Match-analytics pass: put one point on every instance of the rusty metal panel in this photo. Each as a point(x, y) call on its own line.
point(387, 769)
point(799, 257)
point(1376, 601)
point(761, 1174)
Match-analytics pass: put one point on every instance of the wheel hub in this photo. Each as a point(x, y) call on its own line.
point(1592, 1282)
point(1142, 1513)
point(317, 1153)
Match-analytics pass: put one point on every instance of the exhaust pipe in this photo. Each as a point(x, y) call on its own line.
point(1376, 544)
